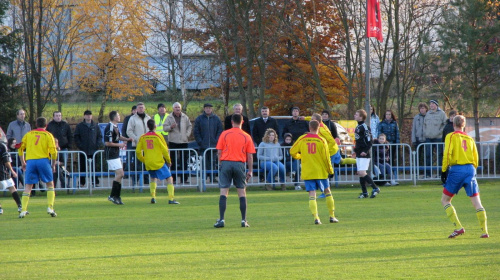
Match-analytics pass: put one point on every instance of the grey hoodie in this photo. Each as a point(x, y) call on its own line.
point(269, 152)
point(434, 123)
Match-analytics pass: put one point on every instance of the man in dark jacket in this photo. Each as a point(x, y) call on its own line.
point(62, 133)
point(262, 124)
point(88, 138)
point(207, 129)
point(448, 128)
point(325, 116)
point(237, 109)
point(296, 126)
point(130, 150)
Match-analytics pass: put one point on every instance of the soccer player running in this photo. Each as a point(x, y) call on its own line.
point(313, 152)
point(153, 152)
point(362, 148)
point(460, 155)
point(112, 138)
point(234, 148)
point(6, 181)
point(41, 155)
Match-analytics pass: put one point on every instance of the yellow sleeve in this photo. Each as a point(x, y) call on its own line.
point(52, 146)
point(446, 155)
point(327, 157)
point(295, 149)
point(20, 152)
point(308, 118)
point(475, 155)
point(332, 145)
point(138, 150)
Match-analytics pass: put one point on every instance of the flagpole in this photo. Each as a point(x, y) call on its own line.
point(367, 71)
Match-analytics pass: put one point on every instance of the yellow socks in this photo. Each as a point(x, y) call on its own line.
point(452, 215)
point(481, 216)
point(170, 189)
point(313, 206)
point(330, 204)
point(152, 189)
point(25, 200)
point(51, 196)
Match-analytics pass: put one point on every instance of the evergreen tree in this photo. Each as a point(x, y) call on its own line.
point(8, 90)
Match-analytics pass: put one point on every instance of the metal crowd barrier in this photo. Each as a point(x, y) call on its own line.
point(185, 170)
point(71, 166)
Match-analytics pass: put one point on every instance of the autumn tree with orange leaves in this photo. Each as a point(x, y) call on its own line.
point(111, 61)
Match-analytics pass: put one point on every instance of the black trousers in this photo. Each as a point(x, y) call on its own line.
point(179, 159)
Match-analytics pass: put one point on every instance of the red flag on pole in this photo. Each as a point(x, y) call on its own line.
point(373, 20)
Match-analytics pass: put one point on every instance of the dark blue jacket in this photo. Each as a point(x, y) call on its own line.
point(207, 130)
point(390, 129)
point(296, 128)
point(88, 138)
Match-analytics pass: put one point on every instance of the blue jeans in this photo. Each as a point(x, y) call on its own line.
point(430, 160)
point(271, 168)
point(293, 166)
point(385, 171)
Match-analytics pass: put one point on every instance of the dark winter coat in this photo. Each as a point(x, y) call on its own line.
point(332, 127)
point(296, 128)
point(390, 129)
point(62, 132)
point(207, 129)
point(380, 153)
point(260, 127)
point(88, 139)
point(448, 128)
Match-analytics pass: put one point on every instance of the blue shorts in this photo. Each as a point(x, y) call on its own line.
point(461, 176)
point(160, 174)
point(318, 184)
point(38, 169)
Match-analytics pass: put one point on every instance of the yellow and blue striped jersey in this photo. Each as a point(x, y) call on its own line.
point(312, 150)
point(38, 143)
point(152, 151)
point(459, 149)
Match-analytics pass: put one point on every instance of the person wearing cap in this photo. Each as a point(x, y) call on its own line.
point(160, 119)
point(19, 127)
point(296, 126)
point(434, 123)
point(237, 109)
point(87, 138)
point(179, 128)
point(207, 129)
point(262, 124)
point(325, 117)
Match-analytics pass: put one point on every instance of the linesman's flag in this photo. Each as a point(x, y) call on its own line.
point(373, 20)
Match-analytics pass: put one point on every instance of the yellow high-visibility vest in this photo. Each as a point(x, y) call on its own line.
point(159, 124)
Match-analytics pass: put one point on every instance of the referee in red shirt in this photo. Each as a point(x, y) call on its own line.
point(234, 148)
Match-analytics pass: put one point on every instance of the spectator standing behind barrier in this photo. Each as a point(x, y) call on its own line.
point(238, 109)
point(417, 130)
point(325, 116)
point(41, 155)
point(160, 119)
point(448, 128)
point(434, 123)
point(374, 122)
point(112, 138)
point(462, 158)
point(207, 129)
point(262, 124)
point(16, 163)
point(19, 127)
point(296, 126)
point(234, 149)
point(389, 127)
point(179, 129)
point(3, 137)
point(88, 139)
point(136, 127)
point(270, 156)
point(130, 155)
point(61, 131)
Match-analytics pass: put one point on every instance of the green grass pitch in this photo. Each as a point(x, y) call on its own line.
point(400, 234)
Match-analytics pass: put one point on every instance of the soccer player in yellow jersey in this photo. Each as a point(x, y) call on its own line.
point(41, 155)
point(313, 152)
point(153, 152)
point(460, 155)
